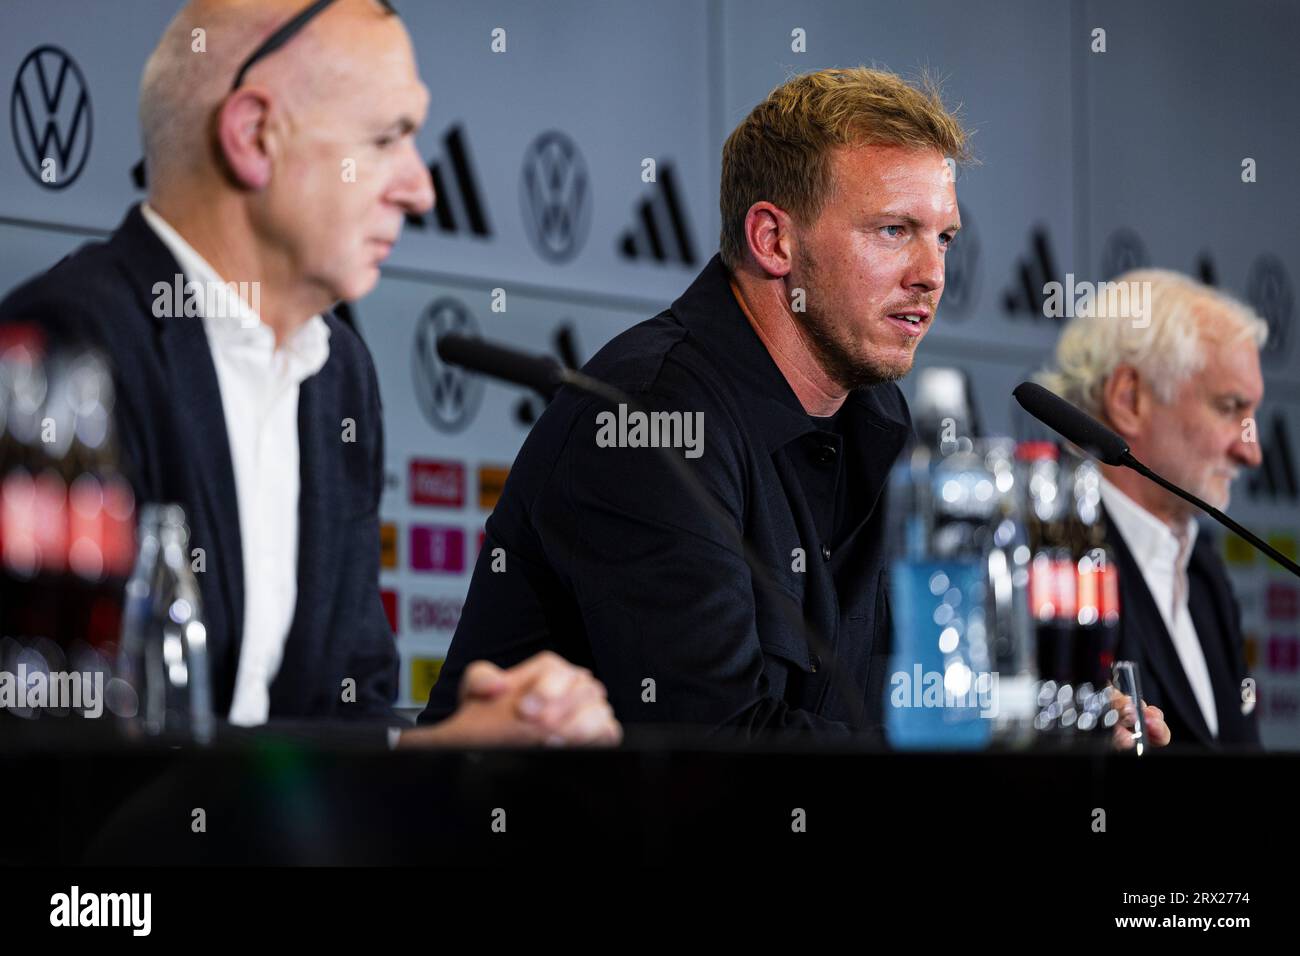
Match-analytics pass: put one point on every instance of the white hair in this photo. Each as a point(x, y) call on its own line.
point(1166, 347)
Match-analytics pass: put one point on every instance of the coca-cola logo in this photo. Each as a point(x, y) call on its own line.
point(437, 483)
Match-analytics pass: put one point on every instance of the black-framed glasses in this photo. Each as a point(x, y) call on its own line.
point(283, 35)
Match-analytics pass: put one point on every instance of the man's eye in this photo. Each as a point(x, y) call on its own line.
point(892, 235)
point(385, 141)
point(945, 239)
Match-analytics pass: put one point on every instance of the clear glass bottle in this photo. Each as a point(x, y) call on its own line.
point(163, 654)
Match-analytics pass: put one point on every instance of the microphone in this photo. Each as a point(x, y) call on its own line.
point(539, 372)
point(1099, 441)
point(546, 375)
point(1070, 422)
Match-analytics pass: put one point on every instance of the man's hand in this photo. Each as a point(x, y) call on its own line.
point(1158, 734)
point(545, 700)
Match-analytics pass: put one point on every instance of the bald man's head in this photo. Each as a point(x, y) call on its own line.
point(191, 70)
point(317, 141)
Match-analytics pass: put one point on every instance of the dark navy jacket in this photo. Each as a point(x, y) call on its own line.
point(172, 434)
point(610, 563)
point(1144, 638)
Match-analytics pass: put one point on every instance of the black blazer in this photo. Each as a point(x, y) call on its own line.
point(1216, 616)
point(172, 434)
point(609, 562)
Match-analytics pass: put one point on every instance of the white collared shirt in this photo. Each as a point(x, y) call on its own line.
point(1163, 556)
point(259, 396)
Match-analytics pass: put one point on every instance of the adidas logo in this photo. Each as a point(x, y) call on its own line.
point(458, 209)
point(530, 407)
point(660, 231)
point(1276, 476)
point(1205, 270)
point(1026, 294)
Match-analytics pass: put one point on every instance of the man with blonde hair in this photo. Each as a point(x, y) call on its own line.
point(279, 146)
point(838, 207)
point(1179, 380)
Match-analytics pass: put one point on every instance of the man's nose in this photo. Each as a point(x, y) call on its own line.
point(413, 190)
point(925, 271)
point(1247, 453)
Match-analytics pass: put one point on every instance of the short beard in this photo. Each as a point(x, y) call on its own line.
point(845, 369)
point(1202, 486)
point(1215, 500)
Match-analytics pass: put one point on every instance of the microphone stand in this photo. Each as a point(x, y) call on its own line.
point(1129, 461)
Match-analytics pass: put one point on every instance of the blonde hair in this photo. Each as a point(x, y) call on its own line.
point(781, 151)
point(1166, 352)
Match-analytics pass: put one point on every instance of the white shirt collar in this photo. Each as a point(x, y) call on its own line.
point(235, 322)
point(1152, 542)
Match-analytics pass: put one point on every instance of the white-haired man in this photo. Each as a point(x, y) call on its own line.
point(1180, 382)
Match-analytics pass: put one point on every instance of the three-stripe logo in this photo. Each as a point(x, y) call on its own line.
point(458, 209)
point(660, 231)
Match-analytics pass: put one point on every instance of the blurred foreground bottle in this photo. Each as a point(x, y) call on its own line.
point(1074, 591)
point(67, 516)
point(163, 653)
point(952, 577)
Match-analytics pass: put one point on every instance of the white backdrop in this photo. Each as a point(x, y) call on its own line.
point(1123, 157)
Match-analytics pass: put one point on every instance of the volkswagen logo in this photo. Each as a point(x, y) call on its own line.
point(50, 116)
point(555, 192)
point(1268, 288)
point(448, 396)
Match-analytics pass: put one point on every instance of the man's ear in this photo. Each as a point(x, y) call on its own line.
point(1123, 401)
point(241, 138)
point(768, 234)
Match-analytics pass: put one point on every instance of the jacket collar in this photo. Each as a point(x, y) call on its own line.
point(709, 311)
point(195, 398)
point(1146, 627)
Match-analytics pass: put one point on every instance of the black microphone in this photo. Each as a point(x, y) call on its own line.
point(1096, 439)
point(1066, 420)
point(539, 372)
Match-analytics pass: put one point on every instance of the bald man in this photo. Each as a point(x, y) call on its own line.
point(281, 164)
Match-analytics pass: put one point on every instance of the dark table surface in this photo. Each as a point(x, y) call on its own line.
point(312, 795)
